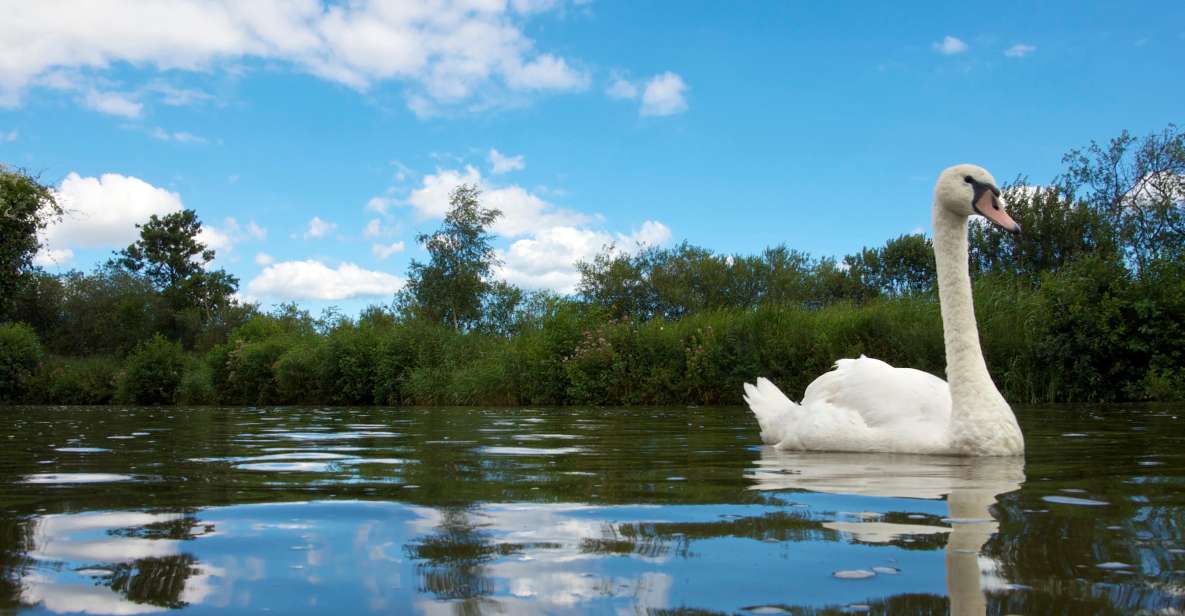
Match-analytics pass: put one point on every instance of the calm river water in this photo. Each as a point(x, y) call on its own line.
point(553, 511)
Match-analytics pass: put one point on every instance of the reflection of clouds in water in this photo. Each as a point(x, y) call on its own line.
point(970, 486)
point(63, 598)
point(109, 538)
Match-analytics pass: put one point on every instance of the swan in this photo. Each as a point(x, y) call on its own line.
point(866, 405)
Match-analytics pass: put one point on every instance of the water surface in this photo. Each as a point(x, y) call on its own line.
point(552, 511)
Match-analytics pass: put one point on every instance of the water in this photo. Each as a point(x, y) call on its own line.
point(525, 511)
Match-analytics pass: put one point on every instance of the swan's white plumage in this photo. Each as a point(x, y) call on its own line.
point(866, 405)
point(863, 404)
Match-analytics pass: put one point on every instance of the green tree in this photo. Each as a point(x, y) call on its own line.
point(451, 287)
point(26, 207)
point(170, 256)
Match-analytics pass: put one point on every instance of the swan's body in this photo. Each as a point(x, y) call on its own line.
point(868, 405)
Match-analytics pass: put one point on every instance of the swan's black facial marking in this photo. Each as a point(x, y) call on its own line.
point(987, 195)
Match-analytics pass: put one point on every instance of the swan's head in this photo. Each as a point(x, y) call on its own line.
point(967, 190)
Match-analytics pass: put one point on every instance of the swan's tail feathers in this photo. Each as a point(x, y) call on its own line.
point(773, 409)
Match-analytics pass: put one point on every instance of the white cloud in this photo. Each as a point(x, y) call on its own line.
point(522, 211)
point(262, 258)
point(548, 259)
point(663, 95)
point(103, 212)
point(373, 229)
point(10, 136)
point(311, 279)
point(1019, 50)
point(319, 228)
point(179, 136)
point(383, 251)
point(112, 103)
point(500, 163)
point(447, 51)
point(215, 239)
point(546, 72)
point(950, 46)
point(622, 89)
point(53, 258)
point(547, 241)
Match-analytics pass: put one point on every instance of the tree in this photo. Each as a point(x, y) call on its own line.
point(450, 288)
point(1137, 187)
point(170, 256)
point(26, 207)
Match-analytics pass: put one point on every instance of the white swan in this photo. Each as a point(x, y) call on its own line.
point(868, 405)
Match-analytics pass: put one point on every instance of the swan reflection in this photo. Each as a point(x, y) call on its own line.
point(969, 485)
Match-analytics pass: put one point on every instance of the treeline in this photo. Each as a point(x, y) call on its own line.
point(1088, 304)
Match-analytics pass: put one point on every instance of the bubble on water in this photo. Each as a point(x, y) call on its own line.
point(313, 467)
point(1070, 500)
point(1073, 490)
point(80, 449)
point(1113, 565)
point(887, 570)
point(766, 609)
point(95, 572)
point(853, 574)
point(1074, 435)
point(64, 478)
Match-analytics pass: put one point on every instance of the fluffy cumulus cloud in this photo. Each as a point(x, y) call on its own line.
point(546, 241)
point(445, 51)
point(500, 163)
point(313, 280)
point(662, 95)
point(102, 212)
point(1019, 50)
point(950, 46)
point(522, 211)
point(548, 259)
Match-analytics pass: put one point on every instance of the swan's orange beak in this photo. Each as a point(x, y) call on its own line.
point(988, 204)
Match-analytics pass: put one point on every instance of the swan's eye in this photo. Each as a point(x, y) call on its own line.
point(968, 179)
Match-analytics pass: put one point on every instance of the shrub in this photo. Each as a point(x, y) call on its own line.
point(20, 355)
point(76, 380)
point(197, 384)
point(153, 372)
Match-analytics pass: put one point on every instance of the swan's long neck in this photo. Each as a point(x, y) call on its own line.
point(981, 421)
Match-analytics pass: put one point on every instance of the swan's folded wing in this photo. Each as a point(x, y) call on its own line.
point(881, 394)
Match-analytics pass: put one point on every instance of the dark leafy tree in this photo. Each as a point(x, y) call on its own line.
point(170, 256)
point(26, 207)
point(450, 288)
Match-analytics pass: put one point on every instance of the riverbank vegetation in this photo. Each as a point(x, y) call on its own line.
point(1088, 304)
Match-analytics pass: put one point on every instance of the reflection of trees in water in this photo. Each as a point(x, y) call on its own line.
point(903, 604)
point(1057, 555)
point(16, 540)
point(652, 539)
point(154, 581)
point(454, 559)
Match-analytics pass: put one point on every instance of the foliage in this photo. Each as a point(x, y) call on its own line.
point(153, 373)
point(172, 259)
point(20, 355)
point(450, 288)
point(26, 207)
point(1087, 304)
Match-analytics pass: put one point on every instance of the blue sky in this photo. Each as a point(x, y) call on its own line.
point(293, 127)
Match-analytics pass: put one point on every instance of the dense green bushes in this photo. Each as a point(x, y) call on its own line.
point(153, 373)
point(1091, 331)
point(20, 355)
